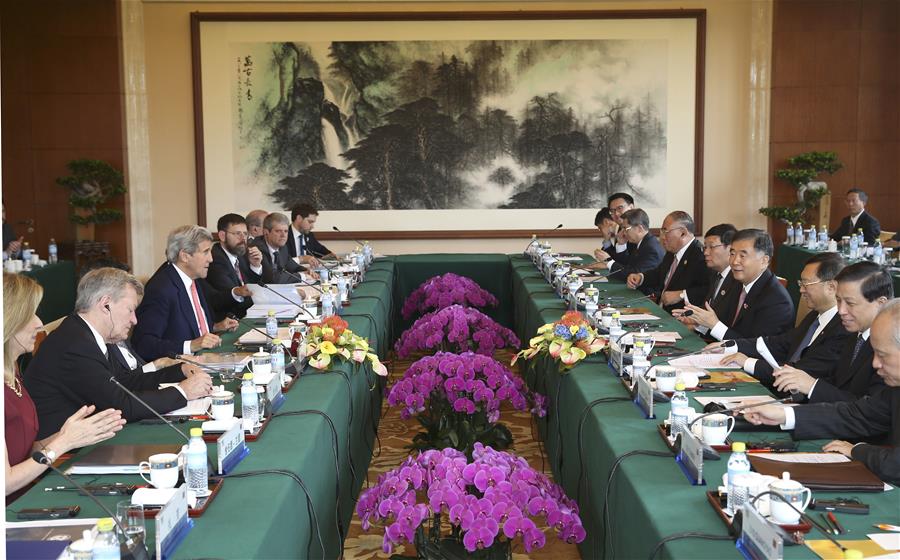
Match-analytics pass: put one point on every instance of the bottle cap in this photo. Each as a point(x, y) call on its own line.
point(853, 554)
point(276, 341)
point(739, 447)
point(679, 386)
point(247, 376)
point(105, 524)
point(196, 432)
point(271, 313)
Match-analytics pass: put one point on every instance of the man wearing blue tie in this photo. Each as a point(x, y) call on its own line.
point(302, 242)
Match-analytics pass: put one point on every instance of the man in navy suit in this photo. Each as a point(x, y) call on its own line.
point(174, 316)
point(763, 305)
point(277, 264)
point(302, 242)
point(233, 266)
point(858, 218)
point(645, 251)
point(682, 275)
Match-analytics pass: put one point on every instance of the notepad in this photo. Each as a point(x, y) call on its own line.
point(705, 361)
point(117, 459)
point(627, 318)
point(809, 458)
point(252, 337)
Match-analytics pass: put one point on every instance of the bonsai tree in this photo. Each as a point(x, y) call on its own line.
point(802, 171)
point(93, 183)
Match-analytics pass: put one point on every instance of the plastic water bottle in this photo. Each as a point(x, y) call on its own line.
point(195, 470)
point(812, 242)
point(738, 467)
point(854, 246)
point(52, 252)
point(106, 544)
point(789, 238)
point(277, 360)
point(681, 410)
point(249, 402)
point(271, 325)
point(327, 301)
point(823, 238)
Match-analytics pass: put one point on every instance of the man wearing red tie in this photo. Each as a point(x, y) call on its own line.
point(174, 316)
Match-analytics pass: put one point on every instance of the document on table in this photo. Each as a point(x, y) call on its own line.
point(705, 361)
point(275, 294)
point(809, 458)
point(887, 541)
point(285, 311)
point(666, 337)
point(257, 337)
point(569, 258)
point(638, 317)
point(196, 407)
point(733, 402)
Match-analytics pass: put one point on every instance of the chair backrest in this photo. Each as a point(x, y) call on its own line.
point(783, 281)
point(48, 328)
point(887, 236)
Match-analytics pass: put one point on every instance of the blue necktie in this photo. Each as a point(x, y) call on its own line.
point(859, 342)
point(805, 342)
point(302, 245)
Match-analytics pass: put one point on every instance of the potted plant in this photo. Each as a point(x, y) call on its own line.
point(802, 171)
point(93, 183)
point(569, 340)
point(455, 328)
point(331, 341)
point(439, 292)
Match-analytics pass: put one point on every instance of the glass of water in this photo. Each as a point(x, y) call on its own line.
point(131, 516)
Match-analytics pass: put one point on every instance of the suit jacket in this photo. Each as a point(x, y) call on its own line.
point(767, 310)
point(222, 278)
point(116, 354)
point(641, 258)
point(817, 359)
point(866, 418)
point(165, 317)
point(310, 243)
point(870, 226)
point(690, 275)
point(69, 371)
point(848, 381)
point(273, 273)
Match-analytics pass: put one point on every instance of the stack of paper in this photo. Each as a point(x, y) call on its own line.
point(705, 361)
point(196, 407)
point(625, 318)
point(252, 337)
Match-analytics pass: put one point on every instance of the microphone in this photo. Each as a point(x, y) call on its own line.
point(795, 397)
point(166, 421)
point(358, 242)
point(535, 239)
point(725, 344)
point(287, 299)
point(260, 331)
point(300, 280)
point(134, 549)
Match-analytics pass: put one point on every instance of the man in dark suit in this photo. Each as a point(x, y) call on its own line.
point(73, 366)
point(871, 418)
point(858, 218)
point(233, 266)
point(863, 288)
point(763, 306)
point(682, 275)
point(608, 229)
point(645, 252)
point(277, 262)
point(723, 289)
point(302, 242)
point(175, 317)
point(617, 247)
point(814, 345)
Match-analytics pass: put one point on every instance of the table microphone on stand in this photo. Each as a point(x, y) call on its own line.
point(358, 242)
point(287, 299)
point(535, 239)
point(131, 549)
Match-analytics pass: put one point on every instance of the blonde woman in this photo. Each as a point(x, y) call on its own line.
point(21, 296)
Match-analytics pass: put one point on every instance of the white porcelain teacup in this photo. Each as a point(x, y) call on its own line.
point(162, 468)
point(666, 377)
point(222, 405)
point(794, 494)
point(716, 428)
point(262, 364)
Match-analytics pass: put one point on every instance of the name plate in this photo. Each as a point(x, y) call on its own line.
point(172, 524)
point(690, 458)
point(616, 357)
point(644, 397)
point(274, 394)
point(231, 448)
point(759, 540)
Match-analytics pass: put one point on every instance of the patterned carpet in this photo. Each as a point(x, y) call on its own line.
point(396, 434)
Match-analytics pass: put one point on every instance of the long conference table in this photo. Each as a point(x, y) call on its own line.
point(266, 516)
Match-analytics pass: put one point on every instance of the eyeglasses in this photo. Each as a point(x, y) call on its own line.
point(803, 284)
point(668, 231)
point(711, 247)
point(237, 233)
point(628, 228)
point(619, 208)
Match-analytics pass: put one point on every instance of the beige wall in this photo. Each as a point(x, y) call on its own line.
point(736, 114)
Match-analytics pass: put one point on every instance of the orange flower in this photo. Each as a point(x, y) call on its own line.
point(336, 323)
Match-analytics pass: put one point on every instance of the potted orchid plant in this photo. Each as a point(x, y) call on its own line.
point(457, 399)
point(569, 340)
point(443, 291)
point(455, 328)
point(453, 507)
point(331, 340)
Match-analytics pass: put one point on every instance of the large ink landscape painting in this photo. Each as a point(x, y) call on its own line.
point(397, 125)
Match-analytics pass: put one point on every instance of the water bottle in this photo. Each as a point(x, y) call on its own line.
point(681, 410)
point(789, 238)
point(327, 301)
point(615, 327)
point(277, 361)
point(738, 468)
point(249, 402)
point(854, 246)
point(823, 238)
point(195, 470)
point(878, 253)
point(52, 252)
point(812, 242)
point(106, 544)
point(271, 325)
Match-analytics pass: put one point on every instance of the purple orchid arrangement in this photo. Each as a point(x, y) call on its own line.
point(439, 292)
point(455, 328)
point(457, 399)
point(491, 500)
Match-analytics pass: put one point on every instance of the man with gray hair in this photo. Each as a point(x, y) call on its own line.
point(73, 366)
point(254, 221)
point(174, 317)
point(278, 265)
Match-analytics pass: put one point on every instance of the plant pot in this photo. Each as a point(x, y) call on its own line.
point(84, 232)
point(449, 548)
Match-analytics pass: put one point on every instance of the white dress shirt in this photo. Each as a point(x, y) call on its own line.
point(186, 347)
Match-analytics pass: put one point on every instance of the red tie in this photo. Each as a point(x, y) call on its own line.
point(237, 268)
point(671, 271)
point(739, 306)
point(198, 309)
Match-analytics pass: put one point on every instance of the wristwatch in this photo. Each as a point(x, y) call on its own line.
point(50, 454)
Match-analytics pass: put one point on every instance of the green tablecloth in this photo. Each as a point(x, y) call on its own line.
point(791, 260)
point(650, 497)
point(59, 284)
point(266, 516)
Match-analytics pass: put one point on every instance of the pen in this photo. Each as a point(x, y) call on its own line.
point(827, 523)
point(837, 524)
point(886, 527)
